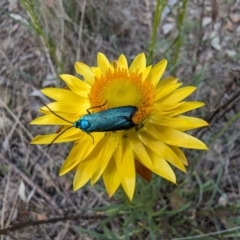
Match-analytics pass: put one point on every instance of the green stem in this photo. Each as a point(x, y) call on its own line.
point(156, 21)
point(29, 7)
point(179, 42)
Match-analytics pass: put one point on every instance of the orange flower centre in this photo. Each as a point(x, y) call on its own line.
point(119, 88)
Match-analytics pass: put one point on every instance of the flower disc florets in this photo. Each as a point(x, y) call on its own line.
point(119, 88)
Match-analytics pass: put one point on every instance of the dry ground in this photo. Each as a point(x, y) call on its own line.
point(30, 188)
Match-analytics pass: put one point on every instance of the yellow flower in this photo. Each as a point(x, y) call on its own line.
point(157, 127)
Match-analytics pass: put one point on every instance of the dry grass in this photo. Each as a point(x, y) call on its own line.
point(32, 54)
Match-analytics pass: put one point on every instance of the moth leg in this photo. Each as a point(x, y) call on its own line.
point(91, 136)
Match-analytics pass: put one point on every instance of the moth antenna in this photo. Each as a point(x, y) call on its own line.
point(96, 107)
point(49, 145)
point(54, 112)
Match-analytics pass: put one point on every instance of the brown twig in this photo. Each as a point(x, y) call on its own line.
point(220, 109)
point(30, 223)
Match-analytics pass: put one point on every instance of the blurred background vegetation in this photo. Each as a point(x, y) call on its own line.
point(42, 38)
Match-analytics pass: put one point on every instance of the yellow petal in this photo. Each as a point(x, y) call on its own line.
point(111, 178)
point(76, 85)
point(80, 151)
point(63, 95)
point(45, 112)
point(146, 72)
point(118, 154)
point(51, 119)
point(103, 62)
point(144, 172)
point(85, 71)
point(97, 161)
point(122, 62)
point(166, 82)
point(157, 72)
point(161, 167)
point(163, 109)
point(138, 64)
point(97, 72)
point(139, 150)
point(102, 155)
point(185, 107)
point(190, 123)
point(73, 158)
point(164, 91)
point(181, 123)
point(126, 169)
point(178, 95)
point(65, 107)
point(70, 135)
point(84, 172)
point(180, 154)
point(161, 149)
point(176, 138)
